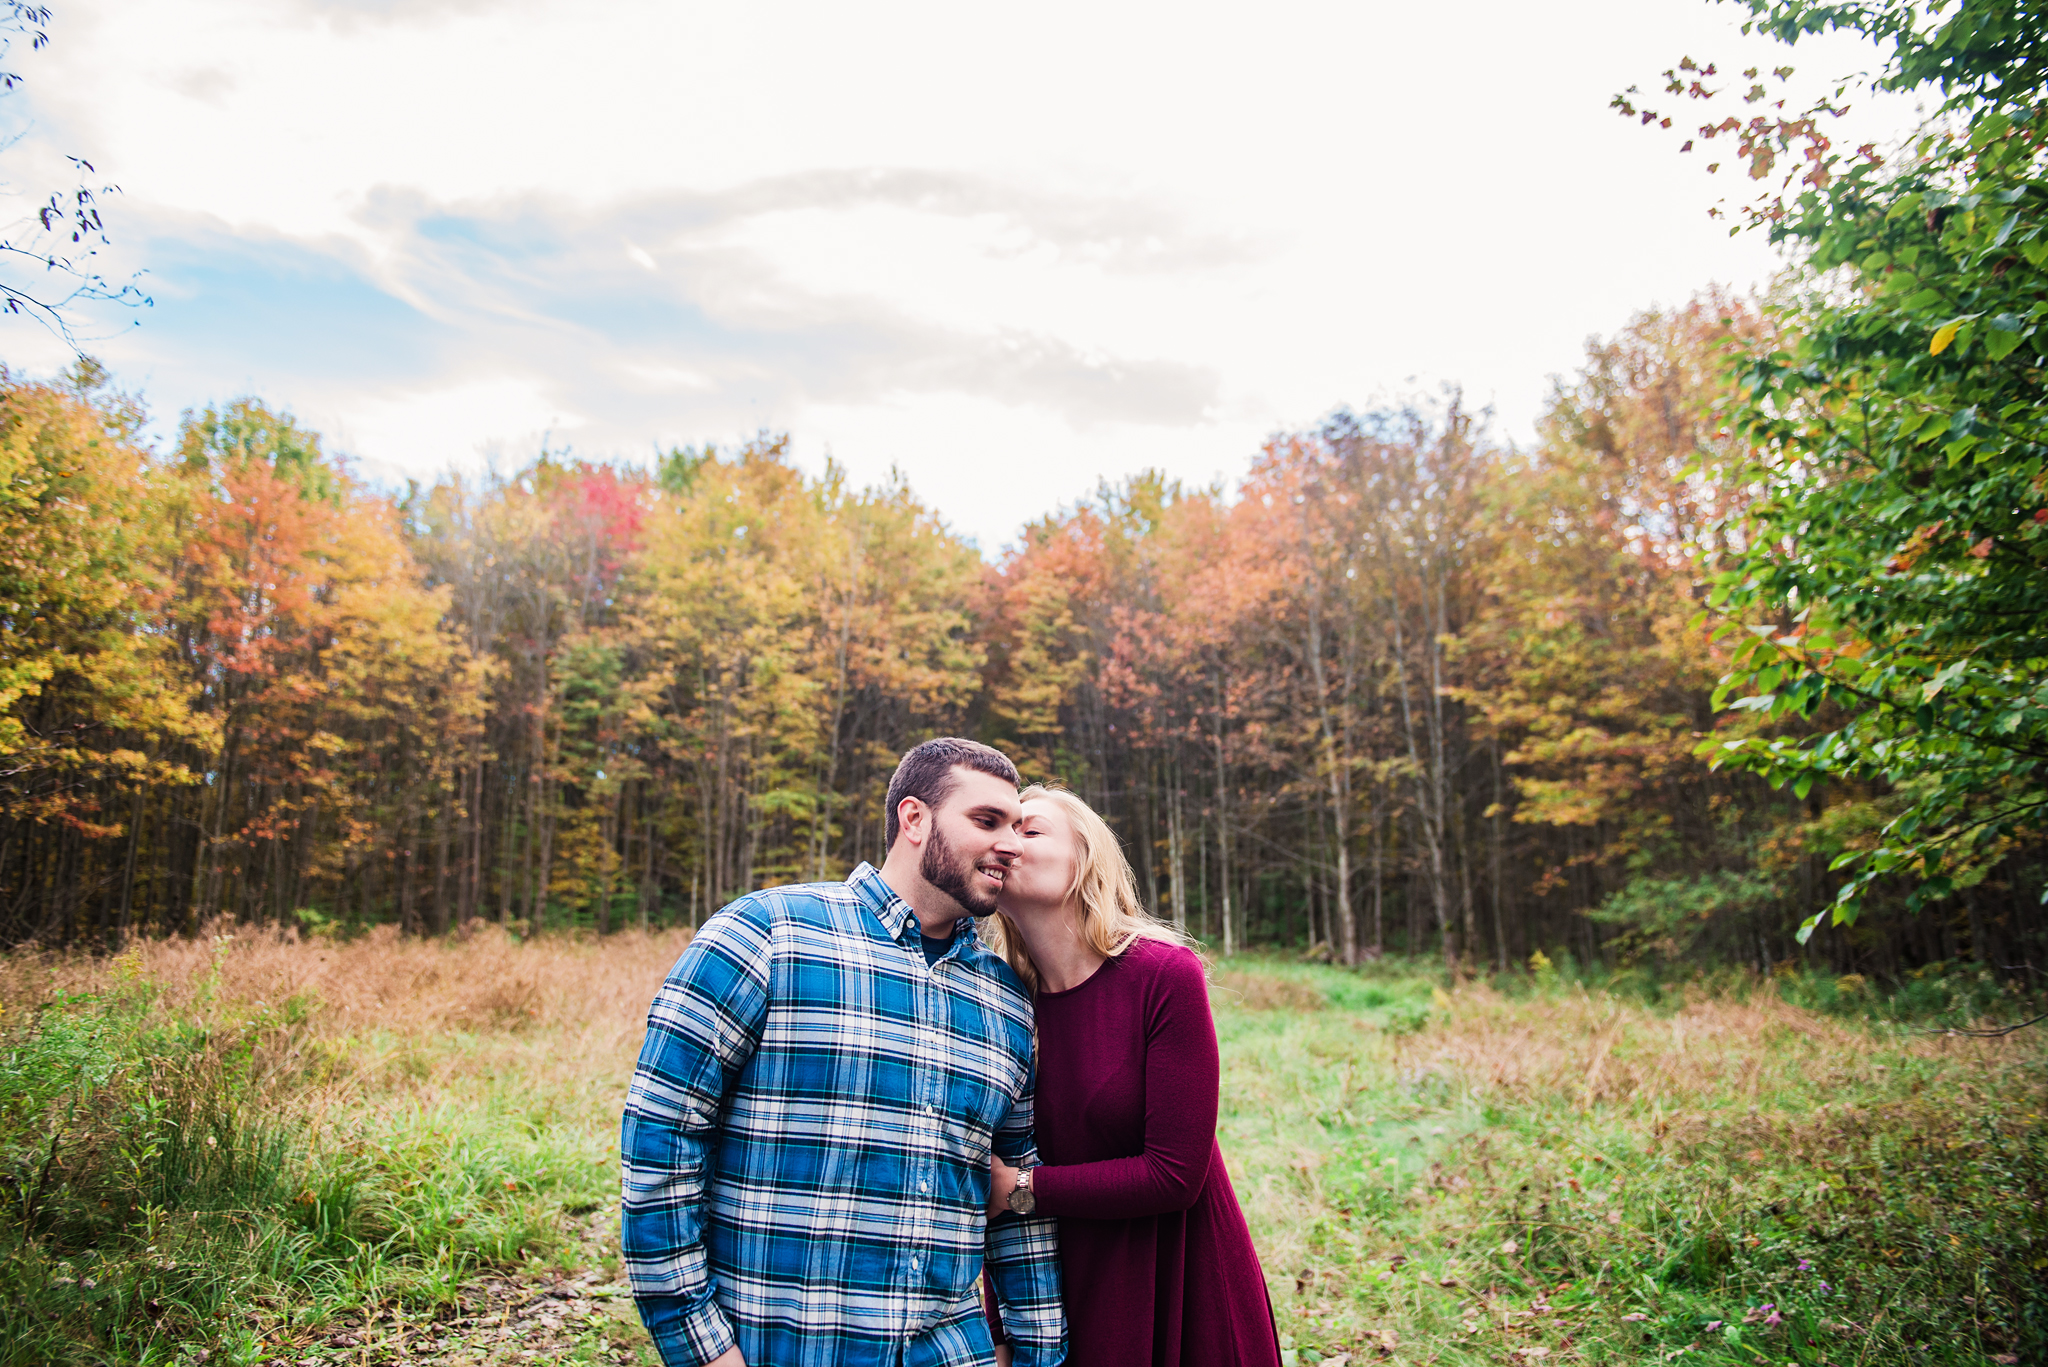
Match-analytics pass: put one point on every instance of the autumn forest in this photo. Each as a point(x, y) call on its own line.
point(1404, 687)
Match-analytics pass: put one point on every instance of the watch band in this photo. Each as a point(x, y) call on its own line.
point(1023, 1200)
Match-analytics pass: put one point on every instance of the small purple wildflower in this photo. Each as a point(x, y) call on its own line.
point(1805, 1265)
point(1713, 1327)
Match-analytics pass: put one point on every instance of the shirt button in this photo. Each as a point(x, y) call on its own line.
point(913, 1264)
point(930, 1110)
point(924, 1186)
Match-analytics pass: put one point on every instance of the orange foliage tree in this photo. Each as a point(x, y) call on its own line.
point(1401, 687)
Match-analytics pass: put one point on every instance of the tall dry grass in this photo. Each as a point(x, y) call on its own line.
point(383, 1022)
point(379, 982)
point(1596, 1049)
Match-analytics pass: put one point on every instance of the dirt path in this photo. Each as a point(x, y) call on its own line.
point(586, 1320)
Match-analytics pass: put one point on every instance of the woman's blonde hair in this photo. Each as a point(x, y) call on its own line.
point(1112, 917)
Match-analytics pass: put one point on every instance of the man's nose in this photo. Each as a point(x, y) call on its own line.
point(1009, 845)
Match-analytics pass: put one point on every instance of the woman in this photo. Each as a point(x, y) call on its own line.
point(1155, 1257)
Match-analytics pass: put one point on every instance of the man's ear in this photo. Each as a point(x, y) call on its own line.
point(911, 816)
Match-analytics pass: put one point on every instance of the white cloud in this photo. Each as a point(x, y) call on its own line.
point(1086, 239)
point(446, 419)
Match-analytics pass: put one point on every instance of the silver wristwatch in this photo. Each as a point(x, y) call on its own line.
point(1022, 1199)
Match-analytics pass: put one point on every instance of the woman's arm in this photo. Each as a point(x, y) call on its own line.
point(1181, 1080)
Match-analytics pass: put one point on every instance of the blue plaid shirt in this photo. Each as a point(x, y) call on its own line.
point(807, 1136)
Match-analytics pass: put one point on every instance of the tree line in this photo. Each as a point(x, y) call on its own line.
point(1404, 687)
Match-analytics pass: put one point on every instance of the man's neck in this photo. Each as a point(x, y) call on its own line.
point(935, 911)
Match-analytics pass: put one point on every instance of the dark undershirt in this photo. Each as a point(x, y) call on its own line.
point(934, 950)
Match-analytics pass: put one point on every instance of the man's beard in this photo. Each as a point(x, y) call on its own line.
point(949, 873)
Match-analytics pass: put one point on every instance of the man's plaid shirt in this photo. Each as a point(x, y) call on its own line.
point(806, 1142)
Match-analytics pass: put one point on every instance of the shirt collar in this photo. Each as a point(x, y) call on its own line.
point(890, 909)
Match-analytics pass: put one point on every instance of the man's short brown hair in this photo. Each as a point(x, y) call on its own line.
point(926, 773)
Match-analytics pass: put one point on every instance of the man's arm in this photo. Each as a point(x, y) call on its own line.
point(1023, 1260)
point(701, 1031)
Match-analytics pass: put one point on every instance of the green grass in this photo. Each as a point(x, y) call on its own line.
point(1802, 1200)
point(240, 1186)
point(1553, 1168)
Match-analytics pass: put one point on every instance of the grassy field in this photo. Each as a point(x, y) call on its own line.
point(241, 1150)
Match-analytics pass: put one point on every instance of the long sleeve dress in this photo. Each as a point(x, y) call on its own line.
point(1157, 1265)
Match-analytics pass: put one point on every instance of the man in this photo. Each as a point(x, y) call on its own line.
point(825, 1073)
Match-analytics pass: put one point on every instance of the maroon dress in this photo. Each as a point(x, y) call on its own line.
point(1156, 1262)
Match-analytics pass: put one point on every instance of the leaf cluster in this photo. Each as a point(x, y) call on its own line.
point(1891, 591)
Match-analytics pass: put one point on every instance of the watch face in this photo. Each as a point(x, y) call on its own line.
point(1023, 1201)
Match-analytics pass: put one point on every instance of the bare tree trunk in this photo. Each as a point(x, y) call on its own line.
point(1177, 869)
point(821, 825)
point(441, 824)
point(473, 857)
point(509, 805)
point(1223, 822)
point(1500, 934)
point(718, 873)
point(650, 838)
point(528, 845)
point(1379, 925)
point(1145, 813)
point(550, 751)
point(1470, 927)
point(1337, 770)
point(750, 822)
point(404, 872)
point(1429, 806)
point(128, 864)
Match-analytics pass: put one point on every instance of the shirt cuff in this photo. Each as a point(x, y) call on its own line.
point(1026, 1354)
point(685, 1335)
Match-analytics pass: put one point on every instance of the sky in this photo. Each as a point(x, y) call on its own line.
point(1006, 252)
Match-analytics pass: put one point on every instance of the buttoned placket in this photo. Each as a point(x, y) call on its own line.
point(925, 990)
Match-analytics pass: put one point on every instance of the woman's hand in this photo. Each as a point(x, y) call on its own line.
point(1002, 1180)
point(1002, 1355)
